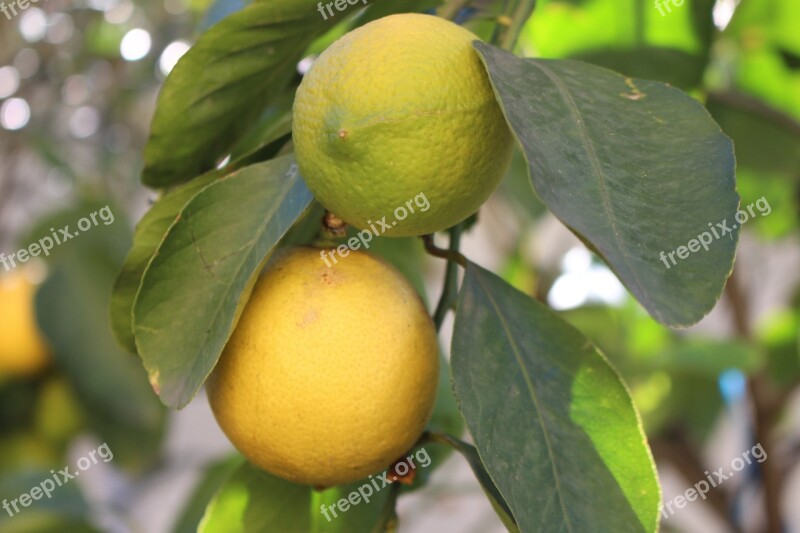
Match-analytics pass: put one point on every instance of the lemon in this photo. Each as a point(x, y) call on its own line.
point(398, 108)
point(23, 351)
point(331, 372)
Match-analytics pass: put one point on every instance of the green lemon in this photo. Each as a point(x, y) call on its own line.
point(397, 119)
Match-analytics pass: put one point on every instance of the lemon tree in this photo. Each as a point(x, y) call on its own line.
point(293, 150)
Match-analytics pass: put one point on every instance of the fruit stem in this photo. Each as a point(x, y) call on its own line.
point(450, 290)
point(454, 258)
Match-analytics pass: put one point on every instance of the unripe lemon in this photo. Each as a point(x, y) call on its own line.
point(331, 372)
point(23, 350)
point(400, 107)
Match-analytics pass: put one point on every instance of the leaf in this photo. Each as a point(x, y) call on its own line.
point(154, 225)
point(552, 422)
point(149, 234)
point(72, 309)
point(709, 357)
point(187, 305)
point(66, 501)
point(495, 498)
point(635, 168)
point(220, 86)
point(629, 36)
point(214, 477)
point(253, 500)
point(767, 140)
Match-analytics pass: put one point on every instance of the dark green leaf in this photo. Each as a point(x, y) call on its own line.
point(219, 88)
point(149, 234)
point(552, 421)
point(154, 225)
point(635, 168)
point(192, 289)
point(495, 498)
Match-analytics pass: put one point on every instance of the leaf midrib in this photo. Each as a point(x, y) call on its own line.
point(534, 396)
point(598, 172)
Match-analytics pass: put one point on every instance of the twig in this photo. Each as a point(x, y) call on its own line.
point(450, 289)
point(435, 251)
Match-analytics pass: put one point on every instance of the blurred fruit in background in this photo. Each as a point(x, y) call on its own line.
point(23, 350)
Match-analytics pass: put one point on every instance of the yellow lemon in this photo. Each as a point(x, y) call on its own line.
point(23, 350)
point(331, 372)
point(398, 115)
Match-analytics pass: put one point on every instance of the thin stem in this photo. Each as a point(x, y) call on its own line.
point(447, 301)
point(435, 251)
point(450, 290)
point(441, 438)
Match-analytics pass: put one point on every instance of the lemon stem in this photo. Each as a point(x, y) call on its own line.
point(454, 258)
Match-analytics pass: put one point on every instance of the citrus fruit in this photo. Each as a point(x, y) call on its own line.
point(23, 350)
point(331, 372)
point(398, 108)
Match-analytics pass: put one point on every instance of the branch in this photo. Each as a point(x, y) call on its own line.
point(763, 412)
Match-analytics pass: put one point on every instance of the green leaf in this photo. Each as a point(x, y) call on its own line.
point(219, 88)
point(215, 476)
point(767, 140)
point(473, 458)
point(709, 357)
point(65, 502)
point(552, 421)
point(72, 309)
point(253, 500)
point(635, 168)
point(154, 225)
point(149, 234)
point(629, 36)
point(201, 274)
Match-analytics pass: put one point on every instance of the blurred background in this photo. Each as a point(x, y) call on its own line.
point(78, 85)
